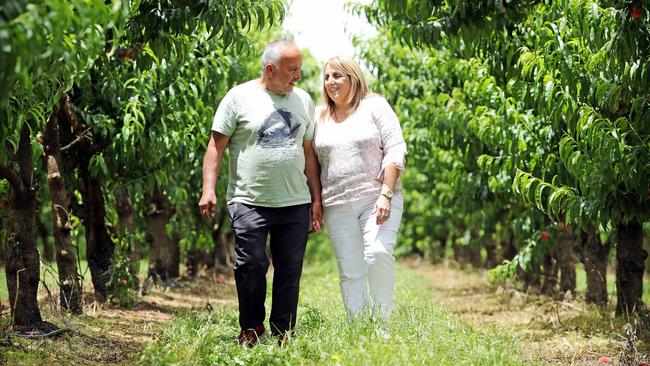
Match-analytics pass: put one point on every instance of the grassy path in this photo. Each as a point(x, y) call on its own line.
point(196, 323)
point(420, 332)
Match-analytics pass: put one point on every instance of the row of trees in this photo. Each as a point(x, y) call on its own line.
point(528, 124)
point(110, 103)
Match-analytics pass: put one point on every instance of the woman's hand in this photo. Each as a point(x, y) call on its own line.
point(382, 209)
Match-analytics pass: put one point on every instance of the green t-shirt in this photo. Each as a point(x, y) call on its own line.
point(267, 160)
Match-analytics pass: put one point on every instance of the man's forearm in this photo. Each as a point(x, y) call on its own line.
point(313, 180)
point(312, 171)
point(212, 160)
point(211, 165)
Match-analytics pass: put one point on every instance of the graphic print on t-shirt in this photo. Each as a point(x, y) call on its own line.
point(277, 130)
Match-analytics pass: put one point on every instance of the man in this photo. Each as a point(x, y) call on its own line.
point(268, 126)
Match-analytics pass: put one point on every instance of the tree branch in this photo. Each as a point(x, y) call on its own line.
point(81, 135)
point(70, 113)
point(12, 177)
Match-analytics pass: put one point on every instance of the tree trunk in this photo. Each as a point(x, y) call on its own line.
point(22, 264)
point(70, 289)
point(509, 250)
point(549, 286)
point(48, 250)
point(566, 261)
point(3, 225)
point(438, 252)
point(226, 246)
point(630, 257)
point(595, 256)
point(23, 267)
point(492, 258)
point(164, 253)
point(192, 262)
point(474, 253)
point(474, 249)
point(126, 229)
point(532, 278)
point(99, 245)
point(457, 250)
point(223, 248)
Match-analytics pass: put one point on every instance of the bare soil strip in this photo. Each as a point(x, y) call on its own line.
point(107, 335)
point(551, 332)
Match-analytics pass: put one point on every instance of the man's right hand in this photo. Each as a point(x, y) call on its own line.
point(208, 204)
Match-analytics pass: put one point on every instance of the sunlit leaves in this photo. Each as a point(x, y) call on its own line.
point(542, 105)
point(159, 21)
point(53, 40)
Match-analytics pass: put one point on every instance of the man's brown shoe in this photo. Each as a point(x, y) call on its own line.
point(284, 339)
point(252, 336)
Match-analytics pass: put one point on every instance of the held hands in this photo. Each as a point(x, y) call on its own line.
point(382, 209)
point(316, 217)
point(208, 204)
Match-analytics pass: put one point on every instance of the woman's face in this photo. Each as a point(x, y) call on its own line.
point(337, 85)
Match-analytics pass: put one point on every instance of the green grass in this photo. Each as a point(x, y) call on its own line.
point(421, 331)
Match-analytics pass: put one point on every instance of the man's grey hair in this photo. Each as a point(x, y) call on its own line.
point(274, 51)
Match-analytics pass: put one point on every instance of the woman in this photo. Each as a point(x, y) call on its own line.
point(361, 152)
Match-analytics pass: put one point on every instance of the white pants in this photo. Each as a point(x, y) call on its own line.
point(364, 253)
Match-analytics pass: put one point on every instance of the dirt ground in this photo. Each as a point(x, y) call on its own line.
point(108, 335)
point(551, 332)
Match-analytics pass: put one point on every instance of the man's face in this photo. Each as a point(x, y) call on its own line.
point(283, 77)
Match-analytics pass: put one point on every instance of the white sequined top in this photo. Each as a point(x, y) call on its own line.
point(353, 153)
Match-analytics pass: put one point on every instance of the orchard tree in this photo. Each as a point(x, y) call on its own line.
point(569, 114)
point(48, 48)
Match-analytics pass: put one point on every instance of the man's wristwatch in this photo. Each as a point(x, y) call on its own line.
point(386, 192)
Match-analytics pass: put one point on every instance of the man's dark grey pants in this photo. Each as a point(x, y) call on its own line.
point(288, 228)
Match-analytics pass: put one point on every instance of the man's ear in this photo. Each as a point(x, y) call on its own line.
point(268, 69)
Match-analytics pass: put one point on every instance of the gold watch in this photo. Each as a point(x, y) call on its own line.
point(386, 192)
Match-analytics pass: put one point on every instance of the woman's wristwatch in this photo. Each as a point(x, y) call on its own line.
point(386, 192)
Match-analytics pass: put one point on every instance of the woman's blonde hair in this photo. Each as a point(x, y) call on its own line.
point(359, 88)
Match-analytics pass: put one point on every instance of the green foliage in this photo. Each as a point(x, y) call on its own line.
point(517, 109)
point(144, 78)
point(152, 123)
point(160, 21)
point(319, 248)
point(121, 282)
point(311, 76)
point(4, 189)
point(48, 44)
point(47, 47)
point(529, 256)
